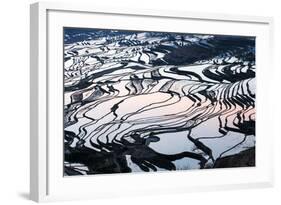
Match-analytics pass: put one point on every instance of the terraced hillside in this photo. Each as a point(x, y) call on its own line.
point(153, 101)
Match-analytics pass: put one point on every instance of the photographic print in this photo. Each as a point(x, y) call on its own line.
point(147, 101)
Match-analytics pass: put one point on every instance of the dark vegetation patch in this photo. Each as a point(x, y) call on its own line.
point(220, 46)
point(245, 158)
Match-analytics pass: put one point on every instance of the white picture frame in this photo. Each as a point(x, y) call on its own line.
point(46, 179)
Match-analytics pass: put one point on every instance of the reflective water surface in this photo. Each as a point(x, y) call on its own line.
point(139, 101)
